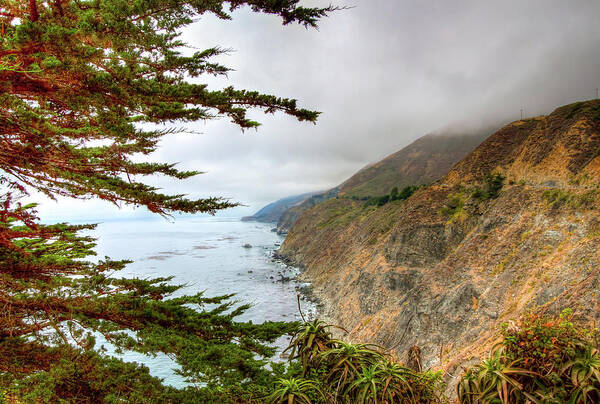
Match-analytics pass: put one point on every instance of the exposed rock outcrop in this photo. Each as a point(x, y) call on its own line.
point(443, 269)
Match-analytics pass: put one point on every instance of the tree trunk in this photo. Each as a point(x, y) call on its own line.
point(58, 4)
point(33, 11)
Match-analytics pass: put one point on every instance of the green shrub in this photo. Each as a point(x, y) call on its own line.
point(394, 195)
point(406, 192)
point(492, 185)
point(371, 201)
point(338, 372)
point(294, 391)
point(310, 340)
point(557, 198)
point(389, 382)
point(478, 194)
point(590, 109)
point(540, 360)
point(383, 200)
point(453, 208)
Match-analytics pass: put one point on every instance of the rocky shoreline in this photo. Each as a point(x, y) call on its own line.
point(290, 272)
point(303, 286)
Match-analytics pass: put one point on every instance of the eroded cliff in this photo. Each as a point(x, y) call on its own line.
point(514, 226)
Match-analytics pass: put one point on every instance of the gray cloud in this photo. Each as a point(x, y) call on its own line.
point(383, 73)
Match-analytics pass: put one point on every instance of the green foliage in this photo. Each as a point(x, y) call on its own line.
point(590, 109)
point(345, 361)
point(310, 340)
point(572, 109)
point(389, 382)
point(540, 360)
point(47, 307)
point(406, 192)
point(375, 200)
point(87, 88)
point(394, 195)
point(557, 198)
point(87, 84)
point(382, 200)
point(493, 380)
point(293, 390)
point(86, 377)
point(454, 206)
point(360, 198)
point(338, 372)
point(492, 185)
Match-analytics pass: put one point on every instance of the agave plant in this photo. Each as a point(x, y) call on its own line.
point(494, 381)
point(311, 339)
point(368, 386)
point(389, 382)
point(550, 395)
point(384, 382)
point(562, 361)
point(345, 361)
point(467, 388)
point(428, 387)
point(398, 381)
point(584, 373)
point(294, 391)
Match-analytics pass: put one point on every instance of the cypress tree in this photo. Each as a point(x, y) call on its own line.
point(84, 87)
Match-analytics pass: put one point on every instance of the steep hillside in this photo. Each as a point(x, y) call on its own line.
point(271, 212)
point(289, 217)
point(422, 162)
point(444, 268)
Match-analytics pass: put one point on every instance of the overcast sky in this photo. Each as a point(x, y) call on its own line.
point(383, 74)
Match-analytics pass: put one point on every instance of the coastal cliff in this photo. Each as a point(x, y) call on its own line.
point(514, 226)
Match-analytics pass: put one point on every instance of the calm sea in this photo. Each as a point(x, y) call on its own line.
point(213, 254)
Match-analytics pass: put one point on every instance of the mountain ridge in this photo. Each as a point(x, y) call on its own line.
point(422, 161)
point(443, 269)
point(271, 212)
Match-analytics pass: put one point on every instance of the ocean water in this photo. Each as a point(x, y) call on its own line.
point(206, 254)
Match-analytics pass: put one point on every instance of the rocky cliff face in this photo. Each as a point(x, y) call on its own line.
point(445, 267)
